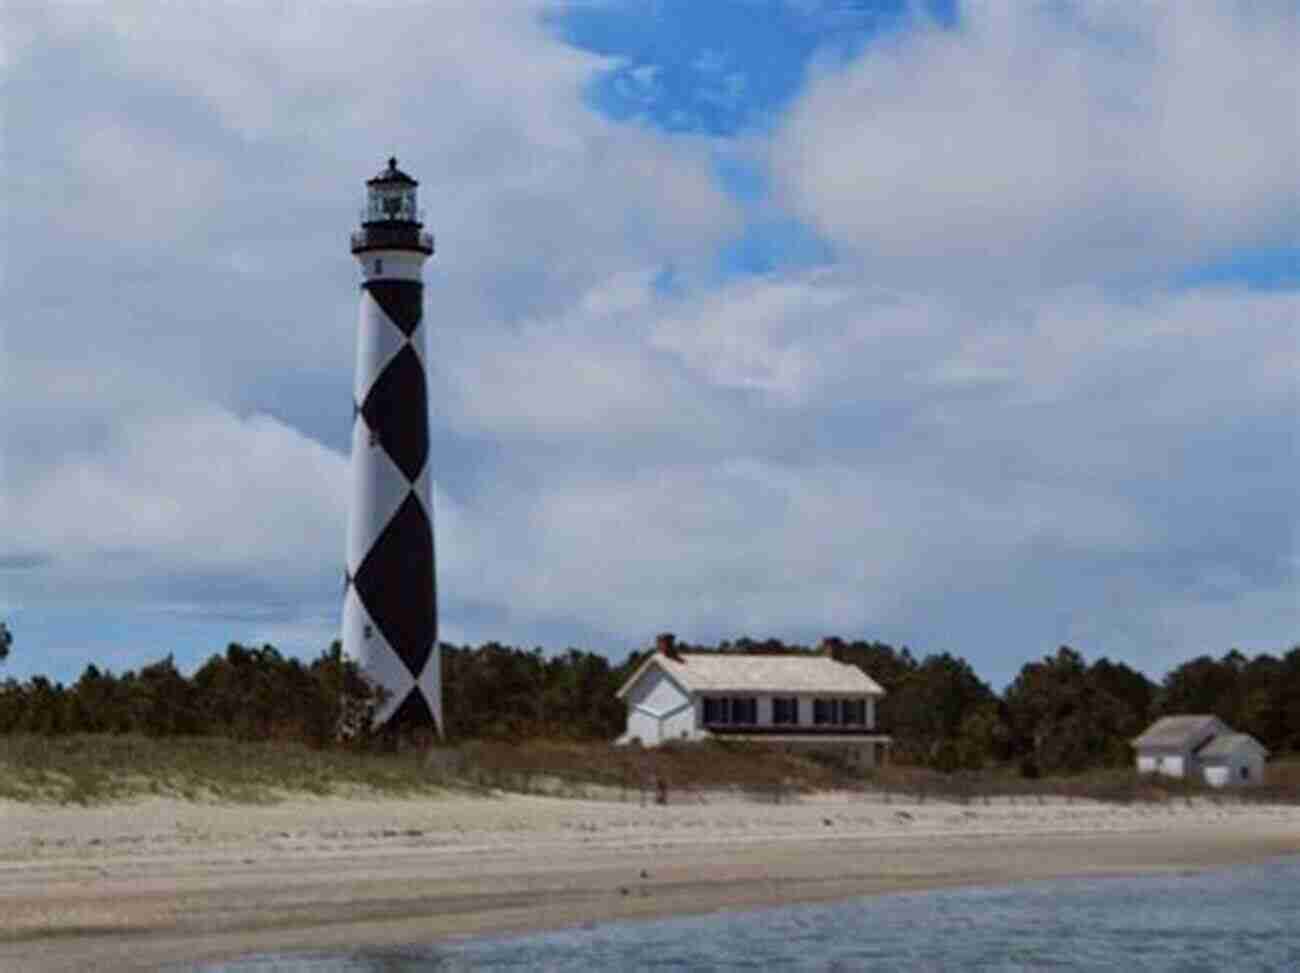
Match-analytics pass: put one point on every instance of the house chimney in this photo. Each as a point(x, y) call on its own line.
point(664, 643)
point(830, 647)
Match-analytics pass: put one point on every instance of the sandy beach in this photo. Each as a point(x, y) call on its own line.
point(133, 886)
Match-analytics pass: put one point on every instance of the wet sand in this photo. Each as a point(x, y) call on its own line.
point(133, 886)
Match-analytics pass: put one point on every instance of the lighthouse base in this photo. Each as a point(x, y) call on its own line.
point(413, 714)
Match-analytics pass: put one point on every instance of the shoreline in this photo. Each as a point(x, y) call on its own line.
point(135, 886)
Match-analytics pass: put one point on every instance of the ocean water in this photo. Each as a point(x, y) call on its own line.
point(1244, 918)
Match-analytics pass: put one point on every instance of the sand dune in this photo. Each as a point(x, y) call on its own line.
point(135, 885)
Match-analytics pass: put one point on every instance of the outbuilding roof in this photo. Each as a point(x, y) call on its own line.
point(1179, 732)
point(735, 672)
point(1227, 744)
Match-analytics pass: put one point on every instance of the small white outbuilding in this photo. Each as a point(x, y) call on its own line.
point(1199, 745)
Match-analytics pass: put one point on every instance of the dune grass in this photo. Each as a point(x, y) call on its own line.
point(101, 768)
point(98, 768)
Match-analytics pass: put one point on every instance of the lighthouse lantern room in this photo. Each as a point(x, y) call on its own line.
point(392, 217)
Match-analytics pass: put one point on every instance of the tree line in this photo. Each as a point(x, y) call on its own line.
point(1061, 714)
point(249, 693)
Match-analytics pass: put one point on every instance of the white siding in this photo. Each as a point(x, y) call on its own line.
point(1216, 776)
point(1158, 762)
point(657, 709)
point(1228, 772)
point(642, 726)
point(680, 724)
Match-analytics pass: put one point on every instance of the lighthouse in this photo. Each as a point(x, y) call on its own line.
point(390, 612)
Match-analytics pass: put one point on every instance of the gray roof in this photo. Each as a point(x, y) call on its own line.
point(735, 672)
point(1226, 744)
point(1179, 732)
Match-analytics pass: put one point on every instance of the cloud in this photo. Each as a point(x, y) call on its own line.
point(1073, 469)
point(1037, 145)
point(181, 188)
point(201, 495)
point(582, 379)
point(746, 545)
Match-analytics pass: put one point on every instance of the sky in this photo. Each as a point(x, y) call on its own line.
point(967, 326)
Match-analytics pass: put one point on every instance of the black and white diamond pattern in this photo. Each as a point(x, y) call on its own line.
point(388, 411)
point(390, 621)
point(375, 346)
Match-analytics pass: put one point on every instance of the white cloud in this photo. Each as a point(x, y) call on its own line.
point(134, 186)
point(487, 110)
point(1043, 143)
point(747, 546)
point(185, 494)
point(582, 377)
point(800, 336)
point(871, 462)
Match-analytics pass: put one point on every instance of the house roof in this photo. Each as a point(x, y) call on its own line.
point(1227, 744)
point(1178, 732)
point(735, 672)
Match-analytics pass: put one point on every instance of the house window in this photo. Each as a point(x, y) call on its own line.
point(717, 709)
point(854, 712)
point(379, 265)
point(744, 709)
point(730, 709)
point(1245, 773)
point(785, 709)
point(826, 711)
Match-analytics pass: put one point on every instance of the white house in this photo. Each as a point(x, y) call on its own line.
point(1200, 746)
point(791, 700)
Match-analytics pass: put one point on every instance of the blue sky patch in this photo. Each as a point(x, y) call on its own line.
point(726, 66)
point(1268, 269)
point(768, 246)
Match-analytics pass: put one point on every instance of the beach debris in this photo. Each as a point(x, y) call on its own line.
point(828, 822)
point(644, 873)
